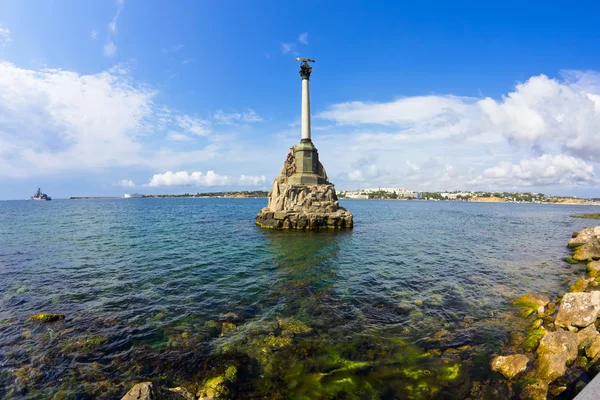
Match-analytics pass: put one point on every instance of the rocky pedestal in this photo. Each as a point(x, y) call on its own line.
point(302, 197)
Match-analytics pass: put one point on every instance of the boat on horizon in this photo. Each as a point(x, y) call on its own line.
point(41, 196)
point(133, 196)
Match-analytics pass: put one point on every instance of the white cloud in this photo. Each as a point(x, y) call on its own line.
point(183, 178)
point(172, 49)
point(94, 35)
point(303, 38)
point(187, 61)
point(553, 115)
point(110, 49)
point(125, 183)
point(193, 125)
point(287, 48)
point(178, 137)
point(5, 37)
point(546, 170)
point(249, 116)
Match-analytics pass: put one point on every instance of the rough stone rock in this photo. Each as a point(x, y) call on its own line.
point(586, 336)
point(510, 366)
point(578, 309)
point(556, 350)
point(304, 207)
point(587, 244)
point(537, 390)
point(150, 391)
point(593, 349)
point(593, 269)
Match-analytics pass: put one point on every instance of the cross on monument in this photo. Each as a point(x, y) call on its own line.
point(305, 70)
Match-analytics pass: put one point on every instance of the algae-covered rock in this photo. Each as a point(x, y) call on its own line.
point(537, 323)
point(510, 366)
point(586, 336)
point(578, 309)
point(556, 350)
point(532, 301)
point(150, 391)
point(580, 285)
point(227, 327)
point(535, 390)
point(593, 269)
point(231, 317)
point(533, 339)
point(45, 317)
point(290, 326)
point(593, 348)
point(218, 388)
point(586, 244)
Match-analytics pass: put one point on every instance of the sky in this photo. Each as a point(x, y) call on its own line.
point(110, 97)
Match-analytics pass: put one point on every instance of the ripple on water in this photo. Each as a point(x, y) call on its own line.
point(143, 283)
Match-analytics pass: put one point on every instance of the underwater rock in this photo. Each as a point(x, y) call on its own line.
point(227, 327)
point(218, 388)
point(586, 336)
point(578, 309)
point(556, 350)
point(537, 323)
point(510, 366)
point(184, 393)
point(150, 391)
point(231, 317)
point(44, 317)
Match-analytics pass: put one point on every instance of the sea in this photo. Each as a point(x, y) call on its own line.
point(412, 303)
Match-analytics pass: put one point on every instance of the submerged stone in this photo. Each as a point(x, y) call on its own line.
point(510, 366)
point(150, 391)
point(533, 301)
point(536, 390)
point(218, 388)
point(578, 309)
point(44, 317)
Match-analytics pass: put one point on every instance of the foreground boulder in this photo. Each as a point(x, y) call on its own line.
point(510, 366)
point(556, 350)
point(578, 310)
point(150, 391)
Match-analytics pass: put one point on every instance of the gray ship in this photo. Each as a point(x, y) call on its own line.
point(41, 196)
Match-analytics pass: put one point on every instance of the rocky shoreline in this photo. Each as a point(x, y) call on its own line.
point(561, 351)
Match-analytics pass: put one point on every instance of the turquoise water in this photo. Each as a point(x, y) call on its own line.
point(410, 304)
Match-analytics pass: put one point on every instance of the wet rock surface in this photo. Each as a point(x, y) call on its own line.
point(510, 366)
point(151, 391)
point(578, 310)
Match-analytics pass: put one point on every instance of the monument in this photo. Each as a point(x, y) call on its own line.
point(302, 196)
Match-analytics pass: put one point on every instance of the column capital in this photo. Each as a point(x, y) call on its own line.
point(305, 70)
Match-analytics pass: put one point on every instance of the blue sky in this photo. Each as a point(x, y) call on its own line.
point(109, 97)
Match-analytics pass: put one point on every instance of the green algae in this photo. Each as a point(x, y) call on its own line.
point(45, 317)
point(84, 343)
point(580, 285)
point(571, 260)
point(587, 216)
point(532, 340)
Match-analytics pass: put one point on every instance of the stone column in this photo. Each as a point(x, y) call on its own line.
point(305, 71)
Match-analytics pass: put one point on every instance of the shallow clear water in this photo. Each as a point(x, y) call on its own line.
point(142, 283)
